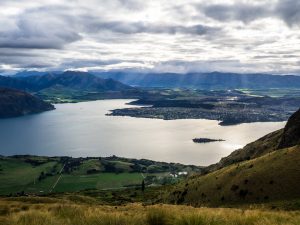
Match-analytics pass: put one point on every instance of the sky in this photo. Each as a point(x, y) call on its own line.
point(243, 36)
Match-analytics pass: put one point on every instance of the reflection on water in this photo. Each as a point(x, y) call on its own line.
point(82, 129)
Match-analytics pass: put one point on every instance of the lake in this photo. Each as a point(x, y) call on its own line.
point(82, 129)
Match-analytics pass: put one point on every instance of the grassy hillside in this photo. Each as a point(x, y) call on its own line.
point(284, 138)
point(262, 146)
point(272, 177)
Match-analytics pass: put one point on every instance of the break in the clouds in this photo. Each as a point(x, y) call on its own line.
point(158, 35)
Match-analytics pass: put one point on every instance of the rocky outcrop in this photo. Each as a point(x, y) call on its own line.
point(291, 133)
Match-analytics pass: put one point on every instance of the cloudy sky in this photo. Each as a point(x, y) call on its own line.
point(153, 35)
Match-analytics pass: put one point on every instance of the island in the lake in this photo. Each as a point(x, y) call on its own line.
point(206, 140)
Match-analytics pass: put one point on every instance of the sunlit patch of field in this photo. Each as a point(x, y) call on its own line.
point(36, 211)
point(272, 92)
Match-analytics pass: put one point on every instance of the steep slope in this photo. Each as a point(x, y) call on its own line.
point(266, 144)
point(265, 170)
point(272, 177)
point(18, 103)
point(287, 137)
point(75, 80)
point(291, 134)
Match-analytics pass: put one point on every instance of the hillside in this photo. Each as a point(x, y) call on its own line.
point(291, 133)
point(287, 137)
point(208, 81)
point(262, 146)
point(18, 103)
point(264, 171)
point(271, 177)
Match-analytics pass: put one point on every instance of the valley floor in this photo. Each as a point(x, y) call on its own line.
point(50, 211)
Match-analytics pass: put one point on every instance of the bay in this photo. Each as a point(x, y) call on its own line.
point(83, 129)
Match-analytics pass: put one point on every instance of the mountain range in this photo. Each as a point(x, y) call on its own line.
point(206, 81)
point(70, 79)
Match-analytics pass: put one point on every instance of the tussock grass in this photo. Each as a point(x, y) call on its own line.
point(196, 219)
point(34, 218)
point(23, 213)
point(158, 216)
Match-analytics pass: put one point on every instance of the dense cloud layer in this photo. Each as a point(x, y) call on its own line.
point(159, 35)
point(286, 10)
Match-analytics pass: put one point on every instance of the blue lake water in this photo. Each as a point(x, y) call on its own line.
point(82, 129)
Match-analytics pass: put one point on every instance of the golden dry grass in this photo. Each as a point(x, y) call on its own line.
point(272, 177)
point(68, 213)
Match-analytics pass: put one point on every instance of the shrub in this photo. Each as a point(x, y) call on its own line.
point(4, 210)
point(243, 193)
point(234, 187)
point(157, 217)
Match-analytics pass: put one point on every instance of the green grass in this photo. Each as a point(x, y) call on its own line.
point(41, 187)
point(17, 175)
point(272, 92)
point(88, 164)
point(37, 175)
point(122, 165)
point(97, 181)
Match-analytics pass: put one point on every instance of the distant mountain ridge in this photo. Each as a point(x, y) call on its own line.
point(69, 79)
point(15, 103)
point(206, 81)
point(213, 80)
point(75, 80)
point(28, 73)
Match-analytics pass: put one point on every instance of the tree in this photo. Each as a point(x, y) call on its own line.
point(143, 185)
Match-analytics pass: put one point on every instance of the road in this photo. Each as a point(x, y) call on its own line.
point(60, 175)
